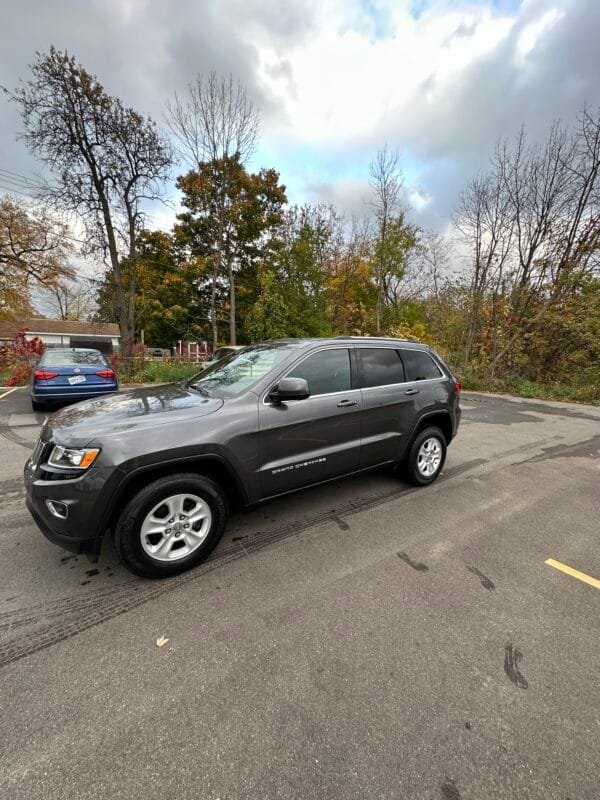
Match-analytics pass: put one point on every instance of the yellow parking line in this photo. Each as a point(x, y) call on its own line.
point(14, 389)
point(574, 573)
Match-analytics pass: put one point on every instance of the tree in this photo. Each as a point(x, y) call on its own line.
point(33, 253)
point(107, 161)
point(231, 220)
point(269, 317)
point(71, 299)
point(216, 124)
point(214, 120)
point(169, 301)
point(386, 183)
point(353, 293)
point(531, 224)
point(485, 221)
point(306, 247)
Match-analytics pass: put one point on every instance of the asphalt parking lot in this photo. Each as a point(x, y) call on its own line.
point(359, 640)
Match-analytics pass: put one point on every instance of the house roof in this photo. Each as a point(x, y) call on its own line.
point(67, 327)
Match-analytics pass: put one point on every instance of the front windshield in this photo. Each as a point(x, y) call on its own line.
point(239, 371)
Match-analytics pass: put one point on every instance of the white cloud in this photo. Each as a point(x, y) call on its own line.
point(534, 31)
point(335, 79)
point(348, 86)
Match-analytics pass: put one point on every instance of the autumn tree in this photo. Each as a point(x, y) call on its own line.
point(170, 303)
point(230, 220)
point(531, 225)
point(353, 292)
point(215, 123)
point(34, 253)
point(106, 162)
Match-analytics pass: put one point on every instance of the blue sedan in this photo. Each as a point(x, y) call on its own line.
point(63, 375)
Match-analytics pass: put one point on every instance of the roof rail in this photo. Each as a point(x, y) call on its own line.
point(380, 338)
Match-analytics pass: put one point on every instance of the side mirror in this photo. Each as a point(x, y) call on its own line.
point(289, 389)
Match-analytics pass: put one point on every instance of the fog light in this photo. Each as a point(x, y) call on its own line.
point(57, 509)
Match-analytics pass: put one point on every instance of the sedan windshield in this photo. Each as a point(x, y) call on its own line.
point(239, 371)
point(56, 358)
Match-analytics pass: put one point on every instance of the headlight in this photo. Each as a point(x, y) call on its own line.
point(67, 458)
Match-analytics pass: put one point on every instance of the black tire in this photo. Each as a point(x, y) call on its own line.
point(411, 465)
point(38, 406)
point(126, 533)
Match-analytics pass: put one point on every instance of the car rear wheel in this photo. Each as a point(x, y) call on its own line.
point(171, 525)
point(426, 456)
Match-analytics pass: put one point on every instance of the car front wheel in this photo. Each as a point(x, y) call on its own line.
point(426, 456)
point(171, 525)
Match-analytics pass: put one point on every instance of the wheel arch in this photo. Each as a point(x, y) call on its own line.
point(212, 466)
point(439, 419)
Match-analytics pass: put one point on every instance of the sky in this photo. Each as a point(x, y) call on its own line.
point(438, 80)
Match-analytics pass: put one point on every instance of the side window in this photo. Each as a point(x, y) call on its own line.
point(419, 366)
point(381, 366)
point(325, 372)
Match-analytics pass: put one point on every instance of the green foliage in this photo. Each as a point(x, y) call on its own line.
point(144, 370)
point(269, 317)
point(229, 224)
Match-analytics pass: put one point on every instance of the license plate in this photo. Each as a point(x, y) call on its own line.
point(77, 379)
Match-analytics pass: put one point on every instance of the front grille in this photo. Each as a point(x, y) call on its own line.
point(41, 453)
point(37, 452)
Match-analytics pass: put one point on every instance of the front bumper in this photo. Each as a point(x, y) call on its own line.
point(82, 530)
point(91, 547)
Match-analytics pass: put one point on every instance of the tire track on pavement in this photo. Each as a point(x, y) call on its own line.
point(68, 616)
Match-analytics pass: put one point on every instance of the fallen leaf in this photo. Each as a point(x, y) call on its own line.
point(161, 642)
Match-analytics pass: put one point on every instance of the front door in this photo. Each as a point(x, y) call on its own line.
point(307, 441)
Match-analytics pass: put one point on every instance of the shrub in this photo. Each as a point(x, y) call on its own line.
point(17, 358)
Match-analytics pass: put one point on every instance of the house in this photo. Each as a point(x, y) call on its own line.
point(103, 336)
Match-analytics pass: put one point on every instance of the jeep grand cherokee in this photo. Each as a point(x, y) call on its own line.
point(157, 467)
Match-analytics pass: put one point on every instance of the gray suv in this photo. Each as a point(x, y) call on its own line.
point(159, 467)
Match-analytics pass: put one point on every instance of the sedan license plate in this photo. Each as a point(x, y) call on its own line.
point(77, 379)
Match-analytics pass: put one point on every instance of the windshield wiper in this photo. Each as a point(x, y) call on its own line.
point(199, 389)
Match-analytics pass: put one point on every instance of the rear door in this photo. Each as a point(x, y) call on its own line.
point(429, 387)
point(307, 441)
point(388, 404)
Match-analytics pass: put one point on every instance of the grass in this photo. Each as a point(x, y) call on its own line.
point(567, 392)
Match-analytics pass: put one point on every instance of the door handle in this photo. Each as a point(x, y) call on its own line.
point(412, 391)
point(346, 403)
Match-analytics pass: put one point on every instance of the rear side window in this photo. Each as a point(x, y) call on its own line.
point(381, 366)
point(419, 366)
point(325, 372)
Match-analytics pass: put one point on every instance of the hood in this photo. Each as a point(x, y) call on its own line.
point(133, 409)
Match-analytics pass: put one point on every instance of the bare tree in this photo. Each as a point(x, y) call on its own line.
point(386, 184)
point(215, 122)
point(71, 299)
point(484, 220)
point(215, 119)
point(532, 226)
point(107, 160)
